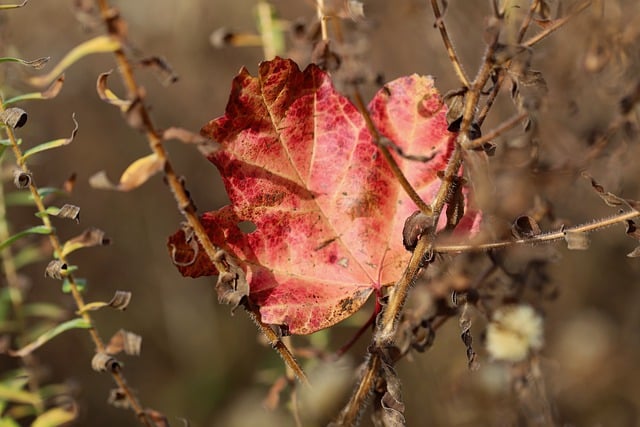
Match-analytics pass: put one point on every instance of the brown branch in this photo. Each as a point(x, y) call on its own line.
point(553, 236)
point(556, 24)
point(404, 182)
point(177, 187)
point(453, 57)
point(479, 142)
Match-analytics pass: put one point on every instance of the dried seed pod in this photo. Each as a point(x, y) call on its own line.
point(22, 179)
point(103, 362)
point(525, 227)
point(14, 117)
point(118, 399)
point(414, 227)
point(125, 341)
point(56, 269)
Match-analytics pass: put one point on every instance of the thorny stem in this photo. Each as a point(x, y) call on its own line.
point(453, 57)
point(541, 238)
point(178, 189)
point(75, 292)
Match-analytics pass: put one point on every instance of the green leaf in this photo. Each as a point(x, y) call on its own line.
point(96, 45)
point(80, 283)
point(8, 422)
point(51, 92)
point(14, 6)
point(55, 417)
point(12, 394)
point(77, 323)
point(28, 255)
point(43, 309)
point(52, 144)
point(24, 198)
point(39, 229)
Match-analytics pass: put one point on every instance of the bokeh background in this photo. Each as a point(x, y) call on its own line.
point(202, 364)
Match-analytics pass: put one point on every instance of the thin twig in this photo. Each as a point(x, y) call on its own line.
point(397, 172)
point(453, 57)
point(479, 142)
point(179, 191)
point(556, 24)
point(553, 236)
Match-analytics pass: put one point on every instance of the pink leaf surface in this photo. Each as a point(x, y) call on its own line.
point(298, 161)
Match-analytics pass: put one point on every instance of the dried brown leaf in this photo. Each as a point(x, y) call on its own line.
point(389, 408)
point(89, 238)
point(414, 227)
point(22, 179)
point(162, 67)
point(103, 362)
point(56, 269)
point(634, 253)
point(525, 227)
point(134, 176)
point(68, 211)
point(14, 117)
point(108, 96)
point(118, 399)
point(125, 341)
point(158, 418)
point(576, 240)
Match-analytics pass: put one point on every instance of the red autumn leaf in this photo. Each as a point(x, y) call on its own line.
point(298, 161)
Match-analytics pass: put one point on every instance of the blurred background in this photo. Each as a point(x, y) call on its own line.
point(200, 363)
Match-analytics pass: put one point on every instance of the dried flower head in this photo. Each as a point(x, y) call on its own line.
point(514, 331)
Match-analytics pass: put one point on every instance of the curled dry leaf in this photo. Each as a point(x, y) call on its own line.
point(609, 198)
point(389, 406)
point(162, 67)
point(108, 96)
point(120, 301)
point(22, 179)
point(525, 227)
point(298, 161)
point(14, 117)
point(118, 399)
point(90, 237)
point(133, 177)
point(56, 269)
point(69, 212)
point(104, 362)
point(158, 418)
point(125, 341)
point(414, 227)
point(576, 240)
